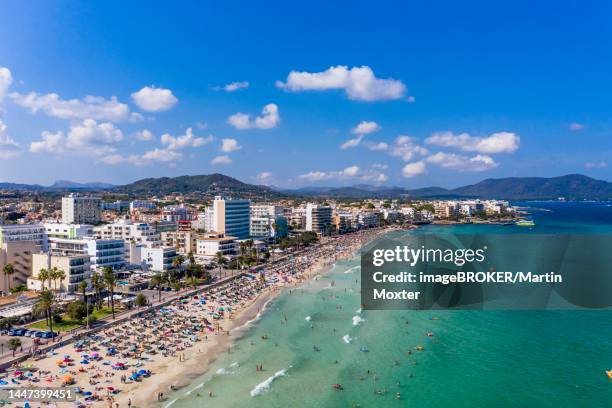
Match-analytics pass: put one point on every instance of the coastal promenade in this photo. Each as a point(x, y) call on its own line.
point(9, 360)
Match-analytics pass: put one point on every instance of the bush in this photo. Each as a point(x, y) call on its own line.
point(57, 318)
point(141, 300)
point(77, 310)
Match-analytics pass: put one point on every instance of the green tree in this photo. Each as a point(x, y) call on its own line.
point(157, 281)
point(220, 260)
point(177, 262)
point(14, 344)
point(45, 303)
point(43, 275)
point(97, 284)
point(77, 310)
point(141, 300)
point(111, 281)
point(60, 275)
point(8, 270)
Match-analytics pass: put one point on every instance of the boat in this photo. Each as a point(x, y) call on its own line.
point(364, 349)
point(525, 223)
point(338, 387)
point(609, 372)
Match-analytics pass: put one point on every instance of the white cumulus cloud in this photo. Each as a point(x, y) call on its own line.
point(6, 79)
point(229, 145)
point(352, 142)
point(148, 158)
point(223, 159)
point(265, 177)
point(406, 148)
point(236, 86)
point(88, 138)
point(269, 119)
point(359, 83)
point(350, 172)
point(500, 142)
point(365, 128)
point(144, 135)
point(413, 169)
point(152, 99)
point(183, 141)
point(90, 107)
point(596, 165)
point(462, 163)
point(8, 147)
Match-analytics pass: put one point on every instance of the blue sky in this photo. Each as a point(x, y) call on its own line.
point(446, 93)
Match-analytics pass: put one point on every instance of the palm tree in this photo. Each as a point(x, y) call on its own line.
point(45, 303)
point(111, 281)
point(53, 276)
point(220, 260)
point(14, 344)
point(157, 281)
point(83, 289)
point(97, 285)
point(8, 270)
point(177, 262)
point(43, 275)
point(59, 275)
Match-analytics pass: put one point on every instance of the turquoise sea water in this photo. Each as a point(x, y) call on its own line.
point(474, 359)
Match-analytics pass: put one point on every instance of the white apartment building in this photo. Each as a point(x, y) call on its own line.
point(367, 219)
point(215, 242)
point(76, 268)
point(231, 217)
point(24, 232)
point(141, 205)
point(60, 230)
point(81, 210)
point(137, 232)
point(263, 218)
point(176, 213)
point(18, 254)
point(158, 259)
point(102, 252)
point(318, 218)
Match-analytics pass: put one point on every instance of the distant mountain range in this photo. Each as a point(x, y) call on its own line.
point(572, 186)
point(59, 185)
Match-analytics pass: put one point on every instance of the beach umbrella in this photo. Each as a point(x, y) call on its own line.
point(67, 378)
point(87, 393)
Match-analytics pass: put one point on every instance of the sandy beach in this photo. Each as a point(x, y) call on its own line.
point(139, 362)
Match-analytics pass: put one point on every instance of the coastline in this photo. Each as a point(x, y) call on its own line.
point(176, 377)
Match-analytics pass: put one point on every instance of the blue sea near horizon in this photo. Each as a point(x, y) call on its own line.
point(316, 334)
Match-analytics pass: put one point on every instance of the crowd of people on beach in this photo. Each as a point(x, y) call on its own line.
point(101, 366)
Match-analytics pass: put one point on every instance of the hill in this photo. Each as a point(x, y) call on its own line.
point(209, 184)
point(571, 186)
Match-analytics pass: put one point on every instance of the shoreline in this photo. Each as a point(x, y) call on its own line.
point(247, 316)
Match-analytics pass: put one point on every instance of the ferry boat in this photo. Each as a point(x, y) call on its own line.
point(525, 223)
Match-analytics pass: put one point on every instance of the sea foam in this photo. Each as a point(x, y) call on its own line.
point(350, 270)
point(265, 386)
point(308, 318)
point(232, 369)
point(357, 320)
point(347, 339)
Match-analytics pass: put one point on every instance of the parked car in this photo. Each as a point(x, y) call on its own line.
point(17, 332)
point(39, 334)
point(48, 335)
point(32, 334)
